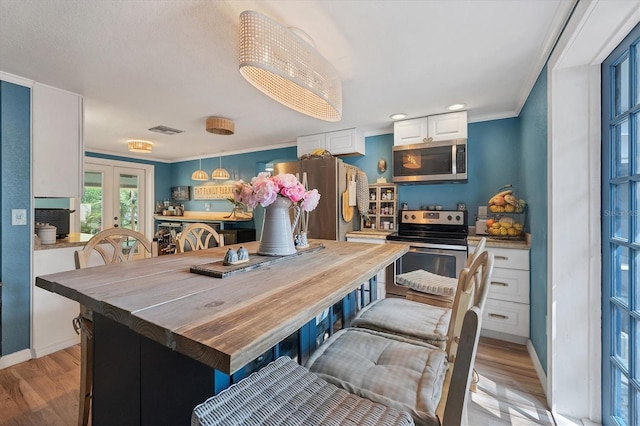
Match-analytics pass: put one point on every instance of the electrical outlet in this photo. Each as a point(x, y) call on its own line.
point(18, 217)
point(207, 206)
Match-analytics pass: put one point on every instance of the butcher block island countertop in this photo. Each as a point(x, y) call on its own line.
point(223, 323)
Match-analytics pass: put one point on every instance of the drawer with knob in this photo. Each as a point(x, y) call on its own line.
point(506, 317)
point(509, 284)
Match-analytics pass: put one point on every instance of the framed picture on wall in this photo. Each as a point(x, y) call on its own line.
point(181, 193)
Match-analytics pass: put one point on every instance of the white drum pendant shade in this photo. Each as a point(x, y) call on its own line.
point(285, 67)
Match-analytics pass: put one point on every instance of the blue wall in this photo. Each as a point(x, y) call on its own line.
point(533, 122)
point(494, 160)
point(15, 193)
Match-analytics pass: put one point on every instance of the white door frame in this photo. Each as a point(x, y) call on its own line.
point(574, 386)
point(149, 203)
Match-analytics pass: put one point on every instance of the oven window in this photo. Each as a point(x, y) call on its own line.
point(437, 263)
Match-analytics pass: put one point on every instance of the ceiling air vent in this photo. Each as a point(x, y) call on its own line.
point(166, 130)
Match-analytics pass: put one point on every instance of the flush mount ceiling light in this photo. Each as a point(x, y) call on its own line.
point(398, 116)
point(411, 160)
point(220, 173)
point(285, 67)
point(200, 174)
point(456, 107)
point(140, 146)
point(220, 126)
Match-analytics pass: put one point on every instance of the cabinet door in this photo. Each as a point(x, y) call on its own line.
point(57, 142)
point(408, 132)
point(344, 142)
point(308, 143)
point(448, 126)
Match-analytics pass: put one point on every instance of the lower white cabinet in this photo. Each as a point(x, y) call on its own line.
point(52, 314)
point(506, 314)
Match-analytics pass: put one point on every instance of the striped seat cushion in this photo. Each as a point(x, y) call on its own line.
point(427, 282)
point(284, 393)
point(405, 317)
point(394, 371)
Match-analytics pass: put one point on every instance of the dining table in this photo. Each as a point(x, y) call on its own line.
point(171, 331)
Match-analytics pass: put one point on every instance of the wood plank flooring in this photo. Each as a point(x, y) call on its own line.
point(44, 391)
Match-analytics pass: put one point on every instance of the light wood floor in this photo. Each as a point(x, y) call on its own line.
point(44, 391)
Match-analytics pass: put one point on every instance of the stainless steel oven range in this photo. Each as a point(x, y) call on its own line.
point(437, 240)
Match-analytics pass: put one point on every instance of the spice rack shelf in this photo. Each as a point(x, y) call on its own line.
point(383, 207)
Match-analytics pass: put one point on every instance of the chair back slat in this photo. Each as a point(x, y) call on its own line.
point(197, 236)
point(115, 245)
point(473, 289)
point(455, 411)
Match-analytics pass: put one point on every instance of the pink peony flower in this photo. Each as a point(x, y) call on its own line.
point(310, 200)
point(264, 189)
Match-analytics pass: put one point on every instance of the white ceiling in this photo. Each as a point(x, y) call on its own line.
point(142, 63)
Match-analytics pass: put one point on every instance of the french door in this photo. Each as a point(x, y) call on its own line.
point(114, 196)
point(621, 233)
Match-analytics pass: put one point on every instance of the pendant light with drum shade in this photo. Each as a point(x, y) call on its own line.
point(200, 174)
point(220, 126)
point(285, 67)
point(137, 145)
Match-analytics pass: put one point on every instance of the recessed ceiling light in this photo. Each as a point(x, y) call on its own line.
point(398, 116)
point(456, 107)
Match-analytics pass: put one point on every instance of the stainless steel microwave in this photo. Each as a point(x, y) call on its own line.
point(430, 162)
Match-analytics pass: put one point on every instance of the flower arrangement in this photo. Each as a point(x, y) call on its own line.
point(264, 189)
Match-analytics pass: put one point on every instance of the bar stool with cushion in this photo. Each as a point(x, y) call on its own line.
point(284, 393)
point(109, 246)
point(433, 289)
point(198, 236)
point(401, 373)
point(432, 324)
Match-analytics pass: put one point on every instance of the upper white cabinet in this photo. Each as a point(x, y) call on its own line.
point(58, 121)
point(437, 127)
point(341, 142)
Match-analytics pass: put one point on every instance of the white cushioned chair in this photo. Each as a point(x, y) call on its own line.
point(401, 373)
point(432, 324)
point(198, 236)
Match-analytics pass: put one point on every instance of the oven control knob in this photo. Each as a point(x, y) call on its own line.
point(413, 216)
point(449, 217)
point(457, 218)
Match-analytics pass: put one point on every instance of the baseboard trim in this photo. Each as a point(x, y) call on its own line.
point(46, 350)
point(542, 376)
point(15, 358)
point(504, 336)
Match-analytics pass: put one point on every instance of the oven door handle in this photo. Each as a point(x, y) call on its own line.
point(431, 246)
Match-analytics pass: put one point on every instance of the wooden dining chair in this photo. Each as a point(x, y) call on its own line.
point(198, 236)
point(112, 245)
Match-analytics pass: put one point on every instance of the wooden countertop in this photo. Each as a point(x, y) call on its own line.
point(223, 323)
point(196, 216)
point(369, 234)
point(75, 239)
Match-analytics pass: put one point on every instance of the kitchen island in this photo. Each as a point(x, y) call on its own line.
point(165, 338)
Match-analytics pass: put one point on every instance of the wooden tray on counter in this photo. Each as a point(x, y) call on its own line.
point(219, 270)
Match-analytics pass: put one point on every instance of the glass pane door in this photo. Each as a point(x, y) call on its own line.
point(621, 234)
point(128, 212)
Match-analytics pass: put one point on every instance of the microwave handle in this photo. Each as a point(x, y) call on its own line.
point(454, 159)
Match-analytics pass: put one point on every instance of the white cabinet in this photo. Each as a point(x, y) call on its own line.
point(340, 142)
point(506, 314)
point(52, 314)
point(448, 126)
point(437, 127)
point(57, 142)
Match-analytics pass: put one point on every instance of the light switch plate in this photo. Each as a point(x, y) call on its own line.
point(18, 217)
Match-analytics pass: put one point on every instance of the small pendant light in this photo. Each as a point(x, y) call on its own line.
point(200, 174)
point(220, 173)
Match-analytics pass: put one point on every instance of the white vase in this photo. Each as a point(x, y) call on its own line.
point(277, 230)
